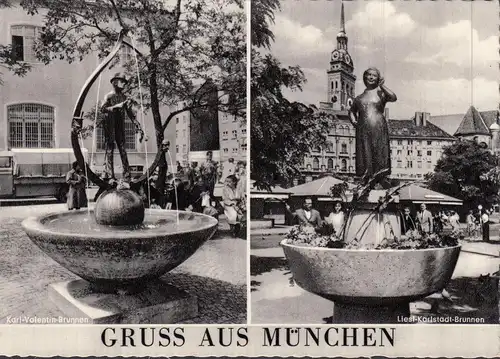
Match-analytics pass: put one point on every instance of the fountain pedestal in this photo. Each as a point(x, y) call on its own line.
point(355, 314)
point(157, 303)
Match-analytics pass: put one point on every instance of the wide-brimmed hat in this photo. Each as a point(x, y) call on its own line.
point(119, 76)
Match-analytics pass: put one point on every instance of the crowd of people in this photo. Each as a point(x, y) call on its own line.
point(423, 221)
point(190, 190)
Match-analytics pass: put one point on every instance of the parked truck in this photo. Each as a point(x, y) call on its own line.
point(35, 172)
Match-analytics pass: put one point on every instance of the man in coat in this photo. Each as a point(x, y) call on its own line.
point(307, 216)
point(424, 219)
point(407, 222)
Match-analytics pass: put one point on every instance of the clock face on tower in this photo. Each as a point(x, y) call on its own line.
point(335, 55)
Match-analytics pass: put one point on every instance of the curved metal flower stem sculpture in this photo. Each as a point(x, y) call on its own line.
point(77, 120)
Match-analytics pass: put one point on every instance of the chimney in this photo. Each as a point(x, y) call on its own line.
point(418, 118)
point(425, 118)
point(386, 114)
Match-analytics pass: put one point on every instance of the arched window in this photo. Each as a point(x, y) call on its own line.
point(343, 166)
point(315, 163)
point(332, 85)
point(343, 148)
point(31, 125)
point(330, 164)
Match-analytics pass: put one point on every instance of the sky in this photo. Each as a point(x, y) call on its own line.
point(437, 56)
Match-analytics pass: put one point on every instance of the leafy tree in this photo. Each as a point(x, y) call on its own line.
point(469, 172)
point(8, 60)
point(181, 45)
point(283, 132)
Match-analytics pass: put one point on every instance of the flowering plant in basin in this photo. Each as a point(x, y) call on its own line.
point(325, 237)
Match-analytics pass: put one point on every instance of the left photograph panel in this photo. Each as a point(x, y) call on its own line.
point(123, 162)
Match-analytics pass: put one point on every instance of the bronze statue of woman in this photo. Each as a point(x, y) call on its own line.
point(373, 161)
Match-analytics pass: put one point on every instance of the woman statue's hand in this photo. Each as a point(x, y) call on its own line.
point(381, 81)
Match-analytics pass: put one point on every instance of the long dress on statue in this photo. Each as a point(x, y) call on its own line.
point(372, 134)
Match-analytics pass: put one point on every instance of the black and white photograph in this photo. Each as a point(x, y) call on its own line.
point(374, 178)
point(123, 162)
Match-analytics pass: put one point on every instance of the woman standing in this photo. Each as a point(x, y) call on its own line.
point(77, 198)
point(231, 200)
point(336, 218)
point(372, 132)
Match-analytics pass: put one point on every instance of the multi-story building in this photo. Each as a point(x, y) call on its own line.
point(416, 144)
point(232, 139)
point(37, 109)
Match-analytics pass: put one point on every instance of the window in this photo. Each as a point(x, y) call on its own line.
point(315, 163)
point(176, 148)
point(235, 150)
point(390, 152)
point(410, 153)
point(429, 153)
point(429, 143)
point(409, 164)
point(429, 164)
point(177, 120)
point(419, 164)
point(329, 147)
point(176, 133)
point(330, 164)
point(243, 131)
point(30, 125)
point(410, 142)
point(183, 148)
point(234, 134)
point(400, 142)
point(419, 153)
point(332, 85)
point(343, 165)
point(23, 42)
point(226, 150)
point(224, 117)
point(184, 133)
point(183, 119)
point(419, 175)
point(224, 135)
point(244, 148)
point(343, 148)
point(399, 152)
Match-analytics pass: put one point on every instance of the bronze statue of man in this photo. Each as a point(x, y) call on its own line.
point(115, 108)
point(373, 162)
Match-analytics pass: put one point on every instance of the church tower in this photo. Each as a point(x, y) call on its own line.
point(341, 79)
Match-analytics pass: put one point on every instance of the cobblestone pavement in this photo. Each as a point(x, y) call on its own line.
point(216, 273)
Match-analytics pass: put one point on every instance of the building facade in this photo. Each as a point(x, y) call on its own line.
point(416, 144)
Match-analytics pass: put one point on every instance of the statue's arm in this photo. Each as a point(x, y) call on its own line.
point(388, 94)
point(106, 105)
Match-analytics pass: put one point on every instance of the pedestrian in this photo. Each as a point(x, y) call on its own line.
point(208, 170)
point(77, 198)
point(454, 221)
point(424, 220)
point(471, 223)
point(407, 221)
point(306, 216)
point(192, 174)
point(231, 202)
point(336, 218)
point(485, 225)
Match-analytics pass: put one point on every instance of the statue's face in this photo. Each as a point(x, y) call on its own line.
point(371, 78)
point(119, 84)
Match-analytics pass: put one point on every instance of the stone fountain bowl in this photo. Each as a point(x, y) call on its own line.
point(371, 277)
point(113, 257)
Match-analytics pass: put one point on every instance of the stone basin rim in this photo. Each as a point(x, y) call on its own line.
point(283, 244)
point(34, 224)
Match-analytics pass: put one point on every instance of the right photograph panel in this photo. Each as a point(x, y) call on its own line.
point(375, 147)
